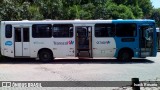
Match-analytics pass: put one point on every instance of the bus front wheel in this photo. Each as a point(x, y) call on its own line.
point(125, 55)
point(45, 56)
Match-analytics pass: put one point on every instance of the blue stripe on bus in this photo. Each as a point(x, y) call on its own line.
point(132, 45)
point(133, 21)
point(135, 44)
point(155, 44)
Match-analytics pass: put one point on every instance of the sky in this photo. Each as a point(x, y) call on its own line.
point(156, 3)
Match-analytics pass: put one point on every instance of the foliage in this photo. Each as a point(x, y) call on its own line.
point(156, 16)
point(75, 9)
point(146, 7)
point(8, 11)
point(137, 11)
point(120, 12)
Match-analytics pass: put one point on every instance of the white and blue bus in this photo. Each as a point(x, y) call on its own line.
point(47, 39)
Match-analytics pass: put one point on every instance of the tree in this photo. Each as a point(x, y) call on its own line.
point(100, 12)
point(120, 12)
point(50, 9)
point(156, 16)
point(8, 11)
point(87, 11)
point(146, 7)
point(34, 13)
point(23, 11)
point(74, 12)
point(74, 9)
point(118, 2)
point(137, 11)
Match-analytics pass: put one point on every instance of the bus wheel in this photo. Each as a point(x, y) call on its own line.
point(45, 56)
point(125, 55)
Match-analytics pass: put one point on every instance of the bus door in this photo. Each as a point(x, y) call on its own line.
point(146, 40)
point(83, 41)
point(21, 39)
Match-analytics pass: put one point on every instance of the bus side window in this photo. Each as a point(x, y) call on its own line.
point(104, 30)
point(126, 30)
point(26, 34)
point(17, 34)
point(41, 30)
point(8, 31)
point(62, 30)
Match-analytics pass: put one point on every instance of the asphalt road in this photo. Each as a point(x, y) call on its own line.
point(80, 70)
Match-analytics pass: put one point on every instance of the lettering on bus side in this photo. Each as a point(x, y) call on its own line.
point(64, 43)
point(38, 42)
point(103, 42)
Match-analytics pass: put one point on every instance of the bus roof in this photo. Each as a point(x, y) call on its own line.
point(80, 21)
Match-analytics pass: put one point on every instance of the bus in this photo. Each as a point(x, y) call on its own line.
point(49, 39)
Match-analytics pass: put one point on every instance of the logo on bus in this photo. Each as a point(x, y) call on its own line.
point(64, 43)
point(8, 43)
point(70, 42)
point(103, 42)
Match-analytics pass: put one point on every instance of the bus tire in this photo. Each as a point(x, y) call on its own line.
point(124, 55)
point(45, 55)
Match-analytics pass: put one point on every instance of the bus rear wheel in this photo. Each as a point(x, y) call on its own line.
point(45, 56)
point(124, 55)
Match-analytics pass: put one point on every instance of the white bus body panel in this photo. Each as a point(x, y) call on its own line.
point(7, 43)
point(26, 48)
point(61, 47)
point(9, 49)
point(1, 39)
point(36, 44)
point(18, 49)
point(104, 47)
point(67, 50)
point(22, 49)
